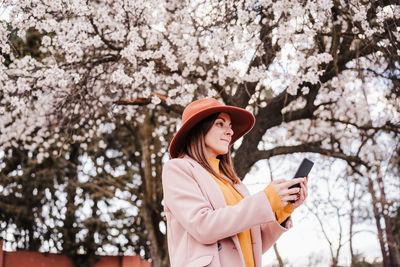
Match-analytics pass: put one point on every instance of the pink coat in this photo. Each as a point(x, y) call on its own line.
point(202, 229)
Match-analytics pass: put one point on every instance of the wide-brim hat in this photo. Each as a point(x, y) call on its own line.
point(242, 121)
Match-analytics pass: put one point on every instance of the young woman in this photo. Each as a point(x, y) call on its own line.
point(212, 220)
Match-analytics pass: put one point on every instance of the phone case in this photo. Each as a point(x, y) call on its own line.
point(303, 171)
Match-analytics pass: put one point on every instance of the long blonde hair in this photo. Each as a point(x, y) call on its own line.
point(195, 148)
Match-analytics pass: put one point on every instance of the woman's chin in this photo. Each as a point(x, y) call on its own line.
point(223, 152)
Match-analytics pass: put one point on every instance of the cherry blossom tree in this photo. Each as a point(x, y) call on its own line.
point(320, 77)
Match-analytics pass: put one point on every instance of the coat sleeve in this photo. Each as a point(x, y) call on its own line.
point(184, 198)
point(271, 231)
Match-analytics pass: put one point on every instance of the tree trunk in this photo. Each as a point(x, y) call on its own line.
point(278, 256)
point(351, 231)
point(150, 200)
point(351, 197)
point(381, 238)
point(388, 227)
point(69, 246)
point(334, 262)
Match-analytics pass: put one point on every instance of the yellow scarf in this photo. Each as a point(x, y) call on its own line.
point(232, 197)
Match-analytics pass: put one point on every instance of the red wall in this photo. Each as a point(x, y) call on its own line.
point(37, 259)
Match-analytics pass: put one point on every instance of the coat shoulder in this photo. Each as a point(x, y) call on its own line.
point(179, 162)
point(176, 167)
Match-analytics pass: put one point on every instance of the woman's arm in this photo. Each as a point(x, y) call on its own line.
point(270, 232)
point(184, 198)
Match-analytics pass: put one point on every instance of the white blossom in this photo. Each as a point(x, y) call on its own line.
point(95, 53)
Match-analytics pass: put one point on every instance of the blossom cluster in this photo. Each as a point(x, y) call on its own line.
point(95, 53)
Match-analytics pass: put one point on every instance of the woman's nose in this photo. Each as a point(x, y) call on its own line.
point(229, 131)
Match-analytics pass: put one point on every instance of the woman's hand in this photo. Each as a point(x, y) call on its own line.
point(296, 194)
point(302, 195)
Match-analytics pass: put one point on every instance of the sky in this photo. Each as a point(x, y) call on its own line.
point(305, 239)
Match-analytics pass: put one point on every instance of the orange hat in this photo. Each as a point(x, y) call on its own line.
point(242, 121)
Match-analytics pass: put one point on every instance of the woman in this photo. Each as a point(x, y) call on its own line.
point(212, 220)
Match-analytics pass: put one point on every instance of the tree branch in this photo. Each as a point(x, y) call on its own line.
point(314, 147)
point(309, 147)
point(142, 101)
point(388, 126)
point(108, 43)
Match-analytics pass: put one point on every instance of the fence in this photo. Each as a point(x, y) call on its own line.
point(37, 259)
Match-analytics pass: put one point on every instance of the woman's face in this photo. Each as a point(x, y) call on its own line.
point(219, 136)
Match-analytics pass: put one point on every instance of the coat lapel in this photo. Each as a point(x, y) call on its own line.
point(257, 244)
point(217, 200)
point(241, 189)
point(209, 186)
point(255, 230)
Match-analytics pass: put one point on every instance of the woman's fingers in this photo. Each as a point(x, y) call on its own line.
point(294, 181)
point(277, 185)
point(298, 197)
point(293, 191)
point(302, 195)
point(279, 181)
point(304, 188)
point(305, 191)
point(287, 194)
point(284, 192)
point(289, 224)
point(288, 197)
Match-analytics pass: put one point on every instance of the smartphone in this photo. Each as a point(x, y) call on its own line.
point(303, 171)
